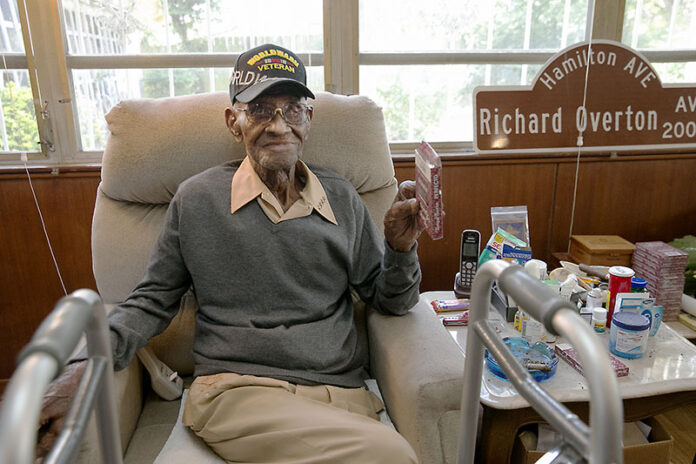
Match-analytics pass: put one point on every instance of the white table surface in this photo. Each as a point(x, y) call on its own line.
point(669, 365)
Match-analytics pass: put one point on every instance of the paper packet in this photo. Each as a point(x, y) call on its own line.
point(429, 190)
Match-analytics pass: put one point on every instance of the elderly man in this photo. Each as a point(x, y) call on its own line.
point(271, 248)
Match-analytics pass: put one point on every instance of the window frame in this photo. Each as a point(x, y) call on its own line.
point(51, 67)
point(24, 62)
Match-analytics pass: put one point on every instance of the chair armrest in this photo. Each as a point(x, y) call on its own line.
point(129, 404)
point(129, 399)
point(419, 369)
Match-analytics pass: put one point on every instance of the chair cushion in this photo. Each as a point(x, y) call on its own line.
point(157, 424)
point(155, 144)
point(183, 445)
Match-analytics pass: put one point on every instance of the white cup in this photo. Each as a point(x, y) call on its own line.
point(540, 265)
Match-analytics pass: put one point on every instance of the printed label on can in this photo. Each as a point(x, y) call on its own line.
point(630, 342)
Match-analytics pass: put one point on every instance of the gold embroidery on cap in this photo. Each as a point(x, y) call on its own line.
point(275, 64)
point(271, 52)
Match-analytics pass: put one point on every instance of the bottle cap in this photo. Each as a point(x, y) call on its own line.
point(621, 271)
point(630, 321)
point(599, 314)
point(595, 293)
point(638, 283)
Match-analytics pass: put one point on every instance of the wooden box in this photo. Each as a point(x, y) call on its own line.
point(601, 250)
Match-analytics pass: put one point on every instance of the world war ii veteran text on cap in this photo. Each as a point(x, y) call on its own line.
point(263, 67)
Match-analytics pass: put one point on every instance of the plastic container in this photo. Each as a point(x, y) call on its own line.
point(619, 282)
point(638, 285)
point(628, 335)
point(599, 319)
point(539, 358)
point(520, 317)
point(532, 330)
point(654, 314)
point(554, 285)
point(586, 314)
point(594, 298)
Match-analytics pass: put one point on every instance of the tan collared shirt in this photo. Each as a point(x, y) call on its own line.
point(247, 185)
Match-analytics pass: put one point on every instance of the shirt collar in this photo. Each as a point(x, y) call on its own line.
point(314, 194)
point(247, 185)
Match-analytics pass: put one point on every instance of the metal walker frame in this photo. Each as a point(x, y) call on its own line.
point(600, 444)
point(41, 361)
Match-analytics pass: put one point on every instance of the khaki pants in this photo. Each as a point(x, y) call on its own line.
point(252, 419)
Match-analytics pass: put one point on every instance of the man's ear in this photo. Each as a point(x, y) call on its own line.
point(233, 124)
point(310, 114)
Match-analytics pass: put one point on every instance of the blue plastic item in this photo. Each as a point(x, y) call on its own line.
point(539, 358)
point(638, 284)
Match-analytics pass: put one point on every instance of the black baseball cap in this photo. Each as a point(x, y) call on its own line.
point(263, 67)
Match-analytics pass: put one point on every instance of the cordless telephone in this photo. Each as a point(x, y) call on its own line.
point(468, 262)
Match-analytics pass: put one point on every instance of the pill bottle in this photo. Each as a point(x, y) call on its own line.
point(599, 319)
point(594, 298)
point(638, 285)
point(532, 330)
point(586, 314)
point(628, 335)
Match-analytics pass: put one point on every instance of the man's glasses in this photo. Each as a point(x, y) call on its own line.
point(292, 113)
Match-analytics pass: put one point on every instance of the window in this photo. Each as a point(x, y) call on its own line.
point(18, 125)
point(419, 60)
point(160, 48)
point(423, 63)
point(422, 60)
point(90, 54)
point(664, 31)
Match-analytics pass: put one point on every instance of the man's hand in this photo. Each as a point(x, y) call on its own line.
point(56, 404)
point(401, 224)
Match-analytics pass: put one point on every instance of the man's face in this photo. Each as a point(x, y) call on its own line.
point(273, 144)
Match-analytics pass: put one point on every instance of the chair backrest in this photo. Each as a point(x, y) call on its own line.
point(155, 144)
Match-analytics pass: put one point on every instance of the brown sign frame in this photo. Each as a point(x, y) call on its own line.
point(626, 108)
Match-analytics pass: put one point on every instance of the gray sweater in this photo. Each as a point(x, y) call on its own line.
point(274, 298)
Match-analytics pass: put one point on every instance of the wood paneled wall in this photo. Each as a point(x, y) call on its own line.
point(640, 199)
point(29, 283)
point(648, 197)
point(637, 197)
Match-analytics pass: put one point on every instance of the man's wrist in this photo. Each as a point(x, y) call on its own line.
point(400, 255)
point(400, 247)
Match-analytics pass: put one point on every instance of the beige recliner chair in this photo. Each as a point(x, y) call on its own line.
point(156, 144)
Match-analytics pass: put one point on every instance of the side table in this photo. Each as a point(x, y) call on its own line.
point(664, 378)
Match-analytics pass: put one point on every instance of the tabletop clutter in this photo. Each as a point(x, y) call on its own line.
point(624, 289)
